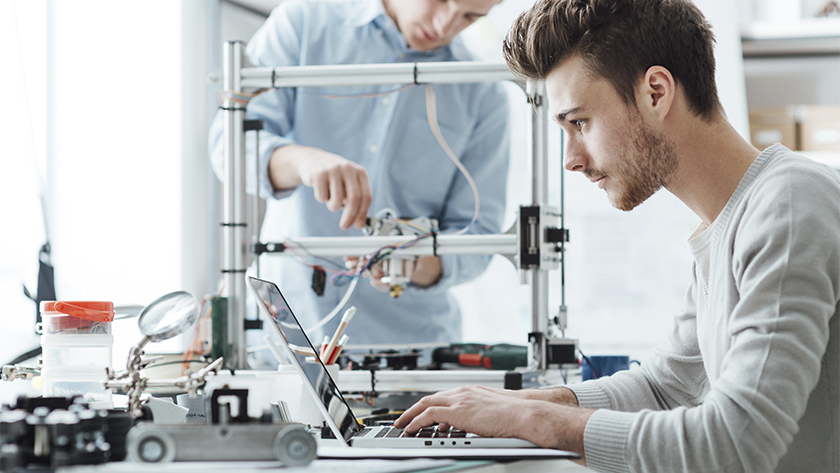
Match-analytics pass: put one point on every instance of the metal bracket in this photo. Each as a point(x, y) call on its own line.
point(537, 236)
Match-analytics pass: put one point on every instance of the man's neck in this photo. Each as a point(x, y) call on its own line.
point(713, 159)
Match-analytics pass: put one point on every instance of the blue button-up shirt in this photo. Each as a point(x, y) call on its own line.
point(390, 136)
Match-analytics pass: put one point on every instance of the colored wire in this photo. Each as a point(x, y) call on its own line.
point(294, 247)
point(239, 97)
point(340, 277)
point(431, 114)
point(588, 362)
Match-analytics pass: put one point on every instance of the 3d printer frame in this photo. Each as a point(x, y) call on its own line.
point(535, 248)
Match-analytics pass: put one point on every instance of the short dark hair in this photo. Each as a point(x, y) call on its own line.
point(619, 40)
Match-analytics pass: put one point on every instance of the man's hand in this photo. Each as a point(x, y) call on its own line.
point(501, 413)
point(425, 272)
point(337, 181)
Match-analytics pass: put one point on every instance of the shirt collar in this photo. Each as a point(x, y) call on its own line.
point(374, 11)
point(371, 10)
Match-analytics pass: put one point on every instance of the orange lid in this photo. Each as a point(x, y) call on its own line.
point(98, 311)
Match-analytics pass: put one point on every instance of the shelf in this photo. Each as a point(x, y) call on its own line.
point(810, 36)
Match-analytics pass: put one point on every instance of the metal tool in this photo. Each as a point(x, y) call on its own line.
point(502, 356)
point(227, 436)
point(162, 319)
point(396, 267)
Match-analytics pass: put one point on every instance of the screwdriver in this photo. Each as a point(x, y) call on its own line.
point(501, 356)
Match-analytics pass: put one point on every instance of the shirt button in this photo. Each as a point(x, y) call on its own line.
point(386, 101)
point(374, 149)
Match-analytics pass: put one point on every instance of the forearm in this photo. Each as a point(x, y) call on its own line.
point(557, 395)
point(282, 166)
point(551, 426)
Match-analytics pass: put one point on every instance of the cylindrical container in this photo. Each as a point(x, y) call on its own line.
point(77, 346)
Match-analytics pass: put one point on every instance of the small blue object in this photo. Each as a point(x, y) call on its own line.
point(594, 367)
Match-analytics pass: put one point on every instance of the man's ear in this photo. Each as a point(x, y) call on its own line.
point(657, 92)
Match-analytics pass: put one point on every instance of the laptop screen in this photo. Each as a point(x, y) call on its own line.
point(274, 305)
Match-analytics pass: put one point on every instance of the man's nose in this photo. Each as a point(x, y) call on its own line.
point(446, 23)
point(574, 158)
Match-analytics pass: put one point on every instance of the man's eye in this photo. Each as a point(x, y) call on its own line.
point(578, 123)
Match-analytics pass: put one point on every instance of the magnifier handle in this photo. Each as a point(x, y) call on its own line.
point(146, 339)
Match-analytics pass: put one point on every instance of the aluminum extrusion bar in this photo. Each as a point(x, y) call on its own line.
point(375, 74)
point(233, 215)
point(444, 245)
point(539, 196)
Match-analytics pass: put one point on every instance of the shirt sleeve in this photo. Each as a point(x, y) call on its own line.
point(786, 274)
point(674, 376)
point(277, 43)
point(486, 157)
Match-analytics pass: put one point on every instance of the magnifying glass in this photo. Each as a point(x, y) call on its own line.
point(167, 316)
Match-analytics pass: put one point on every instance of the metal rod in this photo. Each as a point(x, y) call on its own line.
point(233, 218)
point(539, 197)
point(375, 74)
point(563, 309)
point(255, 201)
point(238, 78)
point(445, 245)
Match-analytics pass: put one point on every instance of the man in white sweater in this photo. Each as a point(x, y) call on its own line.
point(749, 379)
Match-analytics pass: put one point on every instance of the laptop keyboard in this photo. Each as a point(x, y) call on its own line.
point(427, 432)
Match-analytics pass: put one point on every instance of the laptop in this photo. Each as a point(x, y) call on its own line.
point(337, 413)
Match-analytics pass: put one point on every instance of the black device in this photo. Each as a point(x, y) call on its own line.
point(44, 433)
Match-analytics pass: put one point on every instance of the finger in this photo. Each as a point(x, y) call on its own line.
point(336, 192)
point(321, 186)
point(376, 283)
point(352, 204)
point(410, 266)
point(410, 413)
point(365, 199)
point(350, 262)
point(430, 416)
point(376, 275)
point(425, 403)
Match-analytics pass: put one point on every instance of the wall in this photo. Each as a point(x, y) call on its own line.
point(22, 174)
point(121, 151)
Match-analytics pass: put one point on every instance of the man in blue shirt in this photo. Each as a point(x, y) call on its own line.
point(362, 149)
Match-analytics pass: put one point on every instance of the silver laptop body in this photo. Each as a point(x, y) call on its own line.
point(332, 404)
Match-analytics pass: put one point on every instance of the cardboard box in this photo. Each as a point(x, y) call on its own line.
point(773, 126)
point(819, 127)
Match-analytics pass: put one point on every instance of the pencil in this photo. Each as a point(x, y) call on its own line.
point(324, 344)
point(302, 350)
point(348, 315)
point(338, 348)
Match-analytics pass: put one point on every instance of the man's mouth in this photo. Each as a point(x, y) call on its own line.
point(428, 36)
point(598, 180)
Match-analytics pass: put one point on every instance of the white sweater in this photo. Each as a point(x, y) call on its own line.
point(749, 379)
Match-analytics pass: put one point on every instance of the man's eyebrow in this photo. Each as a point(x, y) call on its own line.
point(562, 115)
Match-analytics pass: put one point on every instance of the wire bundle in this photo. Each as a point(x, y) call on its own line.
point(341, 276)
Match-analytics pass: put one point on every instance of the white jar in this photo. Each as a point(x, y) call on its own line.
point(77, 347)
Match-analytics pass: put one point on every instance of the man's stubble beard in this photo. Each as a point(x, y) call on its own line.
point(648, 169)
